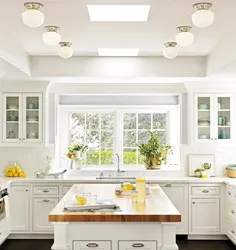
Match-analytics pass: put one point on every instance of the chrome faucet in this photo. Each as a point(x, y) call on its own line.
point(118, 163)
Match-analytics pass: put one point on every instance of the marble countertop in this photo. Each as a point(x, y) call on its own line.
point(158, 207)
point(92, 179)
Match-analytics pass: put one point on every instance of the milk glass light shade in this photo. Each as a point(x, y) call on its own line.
point(51, 37)
point(171, 51)
point(184, 37)
point(203, 17)
point(65, 51)
point(32, 16)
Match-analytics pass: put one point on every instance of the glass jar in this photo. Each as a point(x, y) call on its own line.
point(141, 190)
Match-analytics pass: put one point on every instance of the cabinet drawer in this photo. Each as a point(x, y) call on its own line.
point(98, 245)
point(65, 189)
point(46, 190)
point(147, 245)
point(231, 211)
point(231, 231)
point(205, 191)
point(231, 194)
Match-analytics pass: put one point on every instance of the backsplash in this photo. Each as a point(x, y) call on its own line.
point(34, 159)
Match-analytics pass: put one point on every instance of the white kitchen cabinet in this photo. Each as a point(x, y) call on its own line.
point(20, 208)
point(205, 216)
point(178, 194)
point(22, 118)
point(41, 208)
point(145, 245)
point(213, 117)
point(98, 245)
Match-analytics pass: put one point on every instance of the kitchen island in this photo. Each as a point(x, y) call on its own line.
point(150, 226)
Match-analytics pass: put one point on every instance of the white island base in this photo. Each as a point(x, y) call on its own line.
point(114, 236)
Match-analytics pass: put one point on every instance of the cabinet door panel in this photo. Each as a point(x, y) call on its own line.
point(41, 208)
point(205, 216)
point(178, 194)
point(12, 117)
point(32, 117)
point(20, 208)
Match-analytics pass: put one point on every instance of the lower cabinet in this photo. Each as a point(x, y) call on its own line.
point(20, 208)
point(205, 216)
point(41, 208)
point(178, 194)
point(144, 245)
point(98, 245)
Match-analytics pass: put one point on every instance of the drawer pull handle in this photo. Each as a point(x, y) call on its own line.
point(205, 191)
point(232, 211)
point(137, 245)
point(92, 245)
point(46, 200)
point(46, 191)
point(168, 185)
point(229, 193)
point(232, 231)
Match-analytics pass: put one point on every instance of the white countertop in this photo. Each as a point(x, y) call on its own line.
point(92, 179)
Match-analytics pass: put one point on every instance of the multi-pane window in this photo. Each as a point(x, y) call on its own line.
point(97, 131)
point(135, 126)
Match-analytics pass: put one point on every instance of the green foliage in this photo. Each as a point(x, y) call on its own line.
point(76, 147)
point(153, 150)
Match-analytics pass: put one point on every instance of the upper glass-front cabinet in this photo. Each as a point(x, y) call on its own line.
point(213, 117)
point(22, 120)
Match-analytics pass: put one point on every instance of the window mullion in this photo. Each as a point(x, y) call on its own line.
point(85, 136)
point(136, 138)
point(119, 134)
point(100, 138)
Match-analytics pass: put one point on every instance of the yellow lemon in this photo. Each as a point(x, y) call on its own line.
point(125, 188)
point(21, 174)
point(15, 175)
point(13, 171)
point(24, 175)
point(10, 174)
point(129, 186)
point(81, 200)
point(6, 170)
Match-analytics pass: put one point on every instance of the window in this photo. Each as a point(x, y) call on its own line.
point(97, 131)
point(118, 129)
point(135, 126)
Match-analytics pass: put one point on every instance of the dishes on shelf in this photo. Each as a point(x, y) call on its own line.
point(203, 106)
point(203, 122)
point(12, 118)
point(32, 135)
point(203, 136)
point(12, 106)
point(32, 119)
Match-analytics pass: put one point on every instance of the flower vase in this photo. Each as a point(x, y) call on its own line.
point(77, 154)
point(208, 172)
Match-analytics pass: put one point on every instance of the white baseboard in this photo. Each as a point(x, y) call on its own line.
point(31, 236)
point(207, 237)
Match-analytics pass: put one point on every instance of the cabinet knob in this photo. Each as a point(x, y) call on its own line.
point(23, 139)
point(138, 245)
point(168, 185)
point(212, 139)
point(232, 231)
point(229, 193)
point(92, 245)
point(232, 211)
point(26, 190)
point(46, 191)
point(46, 201)
point(193, 202)
point(205, 191)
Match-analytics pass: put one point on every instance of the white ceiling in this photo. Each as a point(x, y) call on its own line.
point(72, 17)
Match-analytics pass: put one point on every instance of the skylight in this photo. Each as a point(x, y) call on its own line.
point(118, 52)
point(118, 13)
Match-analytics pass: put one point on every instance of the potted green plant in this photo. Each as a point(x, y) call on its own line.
point(207, 167)
point(75, 150)
point(154, 152)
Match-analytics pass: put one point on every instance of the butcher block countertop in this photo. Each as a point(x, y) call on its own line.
point(158, 207)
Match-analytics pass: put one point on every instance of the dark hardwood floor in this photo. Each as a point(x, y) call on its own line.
point(183, 245)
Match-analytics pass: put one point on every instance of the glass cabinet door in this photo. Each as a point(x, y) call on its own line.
point(223, 122)
point(32, 117)
point(204, 117)
point(12, 130)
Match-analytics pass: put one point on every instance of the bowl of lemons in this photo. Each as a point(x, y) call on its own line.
point(14, 170)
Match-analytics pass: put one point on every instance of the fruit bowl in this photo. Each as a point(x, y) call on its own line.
point(14, 170)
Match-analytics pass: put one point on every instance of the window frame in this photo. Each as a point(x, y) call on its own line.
point(65, 111)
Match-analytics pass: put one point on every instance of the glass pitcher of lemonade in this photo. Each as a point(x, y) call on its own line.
point(141, 190)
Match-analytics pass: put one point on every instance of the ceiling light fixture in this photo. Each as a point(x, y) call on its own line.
point(184, 37)
point(118, 52)
point(32, 16)
point(51, 37)
point(171, 51)
point(203, 17)
point(65, 51)
point(118, 13)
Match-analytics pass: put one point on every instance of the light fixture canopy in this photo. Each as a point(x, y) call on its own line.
point(65, 50)
point(51, 37)
point(203, 17)
point(32, 16)
point(184, 37)
point(171, 51)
